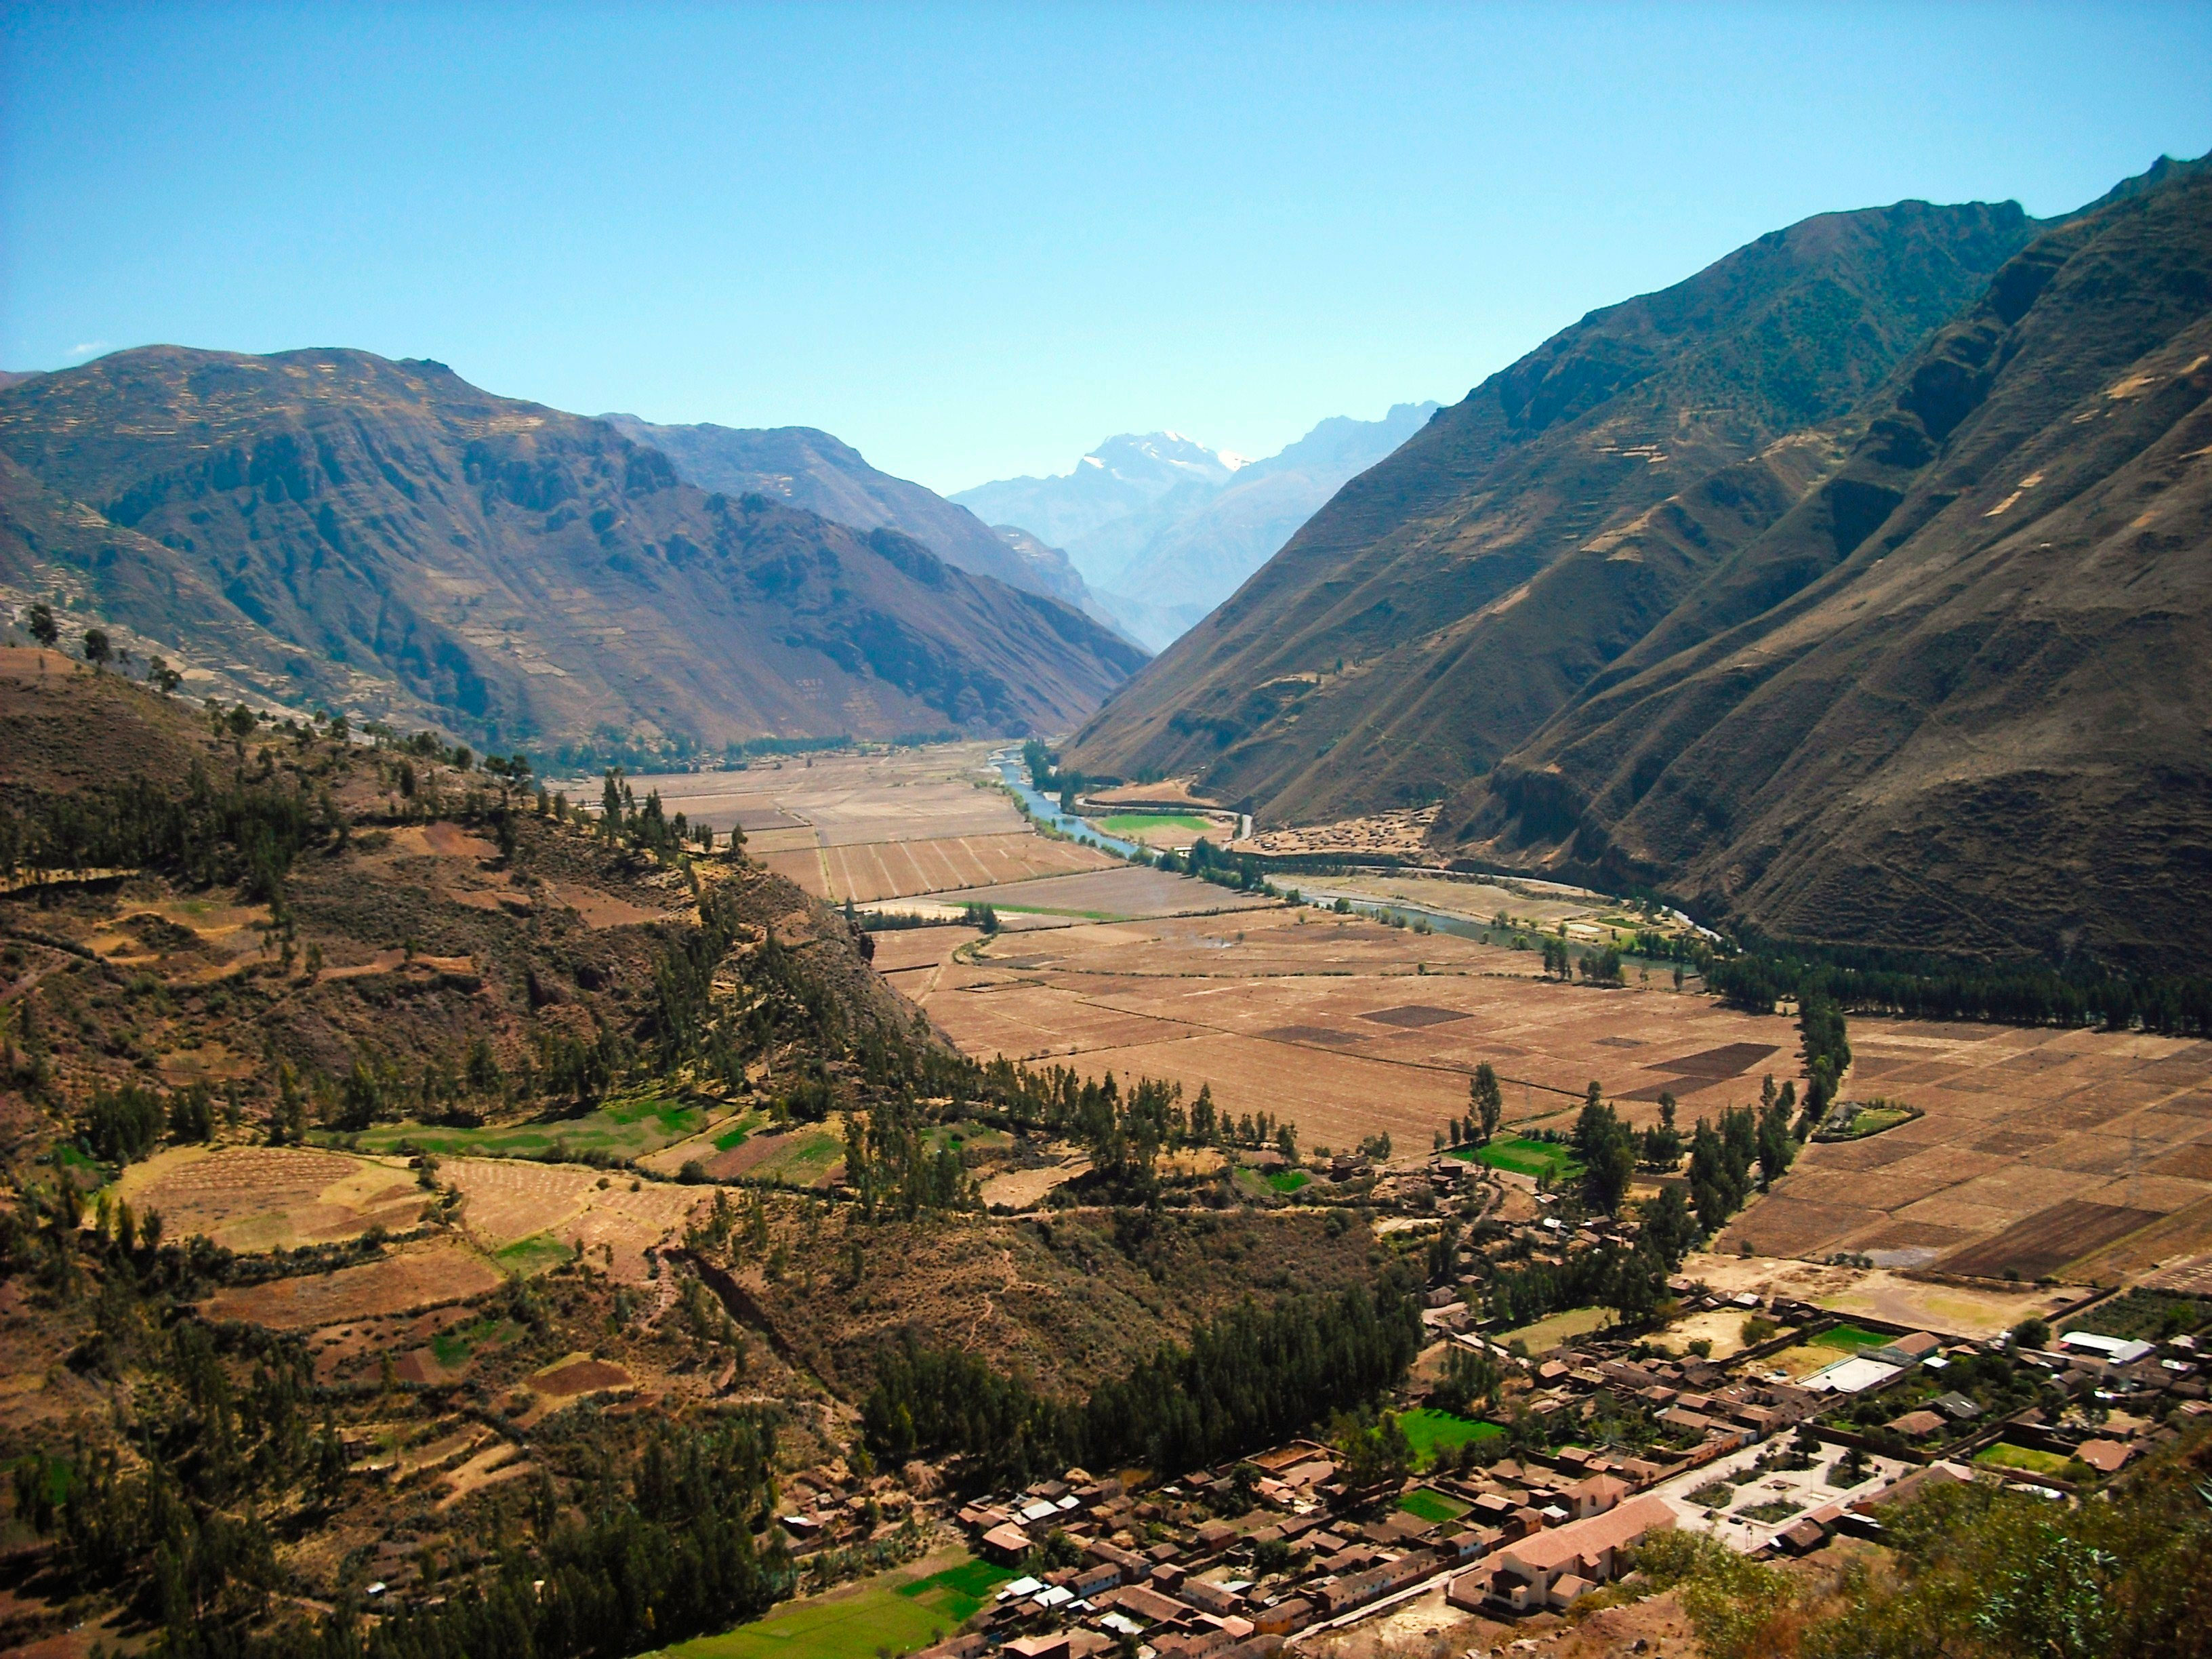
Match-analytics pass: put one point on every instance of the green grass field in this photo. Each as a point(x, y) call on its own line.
point(2005, 1455)
point(1850, 1337)
point(625, 1128)
point(1124, 824)
point(1432, 1505)
point(1288, 1181)
point(1524, 1157)
point(532, 1256)
point(960, 1589)
point(894, 1612)
point(1431, 1430)
point(453, 1346)
point(72, 1157)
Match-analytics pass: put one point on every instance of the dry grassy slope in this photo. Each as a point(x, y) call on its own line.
point(1958, 697)
point(523, 576)
point(1064, 1301)
point(564, 940)
point(1416, 573)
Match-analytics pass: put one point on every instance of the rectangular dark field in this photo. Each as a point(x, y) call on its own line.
point(1414, 1015)
point(2048, 1240)
point(1733, 1060)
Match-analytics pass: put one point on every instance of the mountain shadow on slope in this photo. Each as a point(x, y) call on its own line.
point(382, 536)
point(828, 476)
point(1449, 600)
point(1955, 698)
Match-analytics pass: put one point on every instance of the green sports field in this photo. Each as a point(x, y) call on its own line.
point(895, 1612)
point(1525, 1157)
point(1431, 1430)
point(1128, 823)
point(1432, 1505)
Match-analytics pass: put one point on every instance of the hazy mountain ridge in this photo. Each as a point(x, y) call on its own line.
point(823, 474)
point(526, 577)
point(1163, 529)
point(1958, 696)
point(1447, 602)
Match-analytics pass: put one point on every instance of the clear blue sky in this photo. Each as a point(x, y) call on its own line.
point(975, 240)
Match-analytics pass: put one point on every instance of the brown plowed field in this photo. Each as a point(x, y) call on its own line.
point(1328, 1023)
point(1116, 891)
point(2046, 1241)
point(257, 1198)
point(414, 1276)
point(915, 793)
point(902, 869)
point(2033, 1146)
point(509, 1199)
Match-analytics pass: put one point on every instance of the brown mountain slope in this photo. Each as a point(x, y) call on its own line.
point(1472, 582)
point(825, 475)
point(351, 527)
point(1959, 697)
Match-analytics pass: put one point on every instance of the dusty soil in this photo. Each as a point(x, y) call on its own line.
point(1978, 1311)
point(413, 1276)
point(260, 1198)
point(1345, 1026)
point(2040, 1152)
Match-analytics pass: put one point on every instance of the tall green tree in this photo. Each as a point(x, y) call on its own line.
point(1489, 1099)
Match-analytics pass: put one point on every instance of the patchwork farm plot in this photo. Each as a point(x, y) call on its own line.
point(2076, 1155)
point(875, 827)
point(1343, 1025)
point(413, 1276)
point(1124, 893)
point(523, 1216)
point(532, 1216)
point(259, 1198)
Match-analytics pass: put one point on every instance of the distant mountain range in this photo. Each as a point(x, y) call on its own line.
point(1162, 529)
point(825, 475)
point(331, 526)
point(1852, 590)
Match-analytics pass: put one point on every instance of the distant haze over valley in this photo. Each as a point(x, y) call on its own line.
point(1162, 529)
